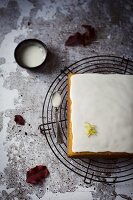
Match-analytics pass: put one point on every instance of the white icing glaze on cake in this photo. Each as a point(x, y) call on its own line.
point(107, 102)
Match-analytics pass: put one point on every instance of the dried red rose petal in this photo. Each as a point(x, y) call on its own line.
point(74, 39)
point(19, 120)
point(89, 35)
point(36, 174)
point(87, 39)
point(88, 27)
point(82, 39)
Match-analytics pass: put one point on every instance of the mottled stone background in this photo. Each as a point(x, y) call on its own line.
point(22, 91)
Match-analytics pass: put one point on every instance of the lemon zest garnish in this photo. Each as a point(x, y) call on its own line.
point(89, 129)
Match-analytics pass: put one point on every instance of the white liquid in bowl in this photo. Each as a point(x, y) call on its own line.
point(33, 55)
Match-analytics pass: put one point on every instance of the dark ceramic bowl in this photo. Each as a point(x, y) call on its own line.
point(18, 53)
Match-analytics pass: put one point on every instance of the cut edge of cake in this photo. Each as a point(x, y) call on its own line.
point(72, 154)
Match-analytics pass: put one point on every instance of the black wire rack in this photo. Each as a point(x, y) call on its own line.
point(92, 170)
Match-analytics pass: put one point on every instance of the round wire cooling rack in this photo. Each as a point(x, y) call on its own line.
point(99, 170)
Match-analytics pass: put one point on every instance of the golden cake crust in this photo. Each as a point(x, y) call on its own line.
point(70, 153)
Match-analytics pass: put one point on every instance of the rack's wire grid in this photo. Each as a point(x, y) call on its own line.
point(99, 170)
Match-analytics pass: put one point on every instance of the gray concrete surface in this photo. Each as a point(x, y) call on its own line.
point(23, 91)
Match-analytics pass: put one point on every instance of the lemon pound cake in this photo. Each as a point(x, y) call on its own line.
point(100, 115)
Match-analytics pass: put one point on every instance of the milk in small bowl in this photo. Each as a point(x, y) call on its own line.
point(31, 53)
